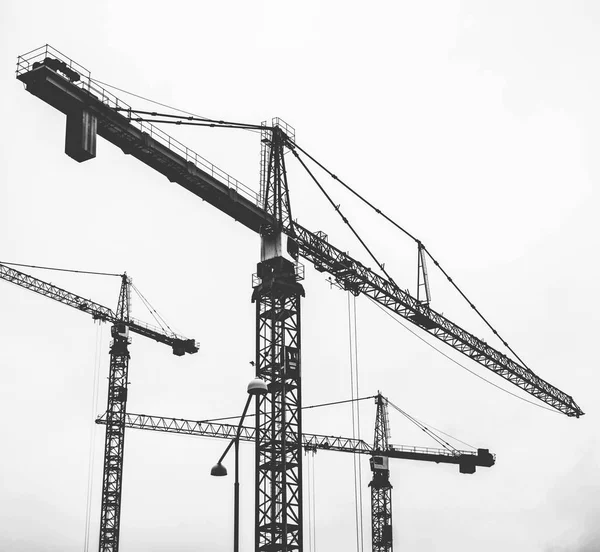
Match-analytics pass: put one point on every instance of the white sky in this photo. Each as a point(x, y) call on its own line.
point(473, 124)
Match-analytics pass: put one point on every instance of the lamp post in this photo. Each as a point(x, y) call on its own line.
point(255, 387)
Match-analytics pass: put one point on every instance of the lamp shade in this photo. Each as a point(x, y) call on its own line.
point(218, 470)
point(258, 387)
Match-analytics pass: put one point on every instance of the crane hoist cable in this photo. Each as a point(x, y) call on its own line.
point(314, 506)
point(93, 430)
point(354, 389)
point(310, 465)
point(294, 146)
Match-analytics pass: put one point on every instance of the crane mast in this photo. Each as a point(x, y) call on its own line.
point(381, 488)
point(277, 293)
point(112, 477)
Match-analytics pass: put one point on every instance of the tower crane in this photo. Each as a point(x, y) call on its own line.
point(381, 488)
point(380, 453)
point(466, 460)
point(91, 110)
point(122, 324)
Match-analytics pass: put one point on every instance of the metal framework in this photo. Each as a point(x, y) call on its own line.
point(93, 110)
point(277, 292)
point(310, 442)
point(278, 434)
point(381, 488)
point(65, 92)
point(274, 185)
point(112, 478)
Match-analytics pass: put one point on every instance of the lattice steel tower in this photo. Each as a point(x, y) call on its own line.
point(110, 514)
point(277, 295)
point(381, 488)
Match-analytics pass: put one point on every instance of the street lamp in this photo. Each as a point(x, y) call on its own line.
point(255, 387)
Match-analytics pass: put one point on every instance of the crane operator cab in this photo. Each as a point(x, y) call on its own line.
point(120, 329)
point(120, 334)
point(379, 463)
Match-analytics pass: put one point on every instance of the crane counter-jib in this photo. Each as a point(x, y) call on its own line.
point(90, 108)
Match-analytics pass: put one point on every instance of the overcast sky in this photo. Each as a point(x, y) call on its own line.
point(473, 124)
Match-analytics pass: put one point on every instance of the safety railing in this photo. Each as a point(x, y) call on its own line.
point(289, 130)
point(156, 330)
point(426, 450)
point(27, 62)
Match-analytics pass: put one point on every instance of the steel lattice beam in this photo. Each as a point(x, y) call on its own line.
point(310, 441)
point(381, 515)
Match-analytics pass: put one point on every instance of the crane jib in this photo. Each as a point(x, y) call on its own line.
point(101, 112)
point(468, 459)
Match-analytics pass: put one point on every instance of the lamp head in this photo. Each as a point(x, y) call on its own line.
point(258, 387)
point(218, 470)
